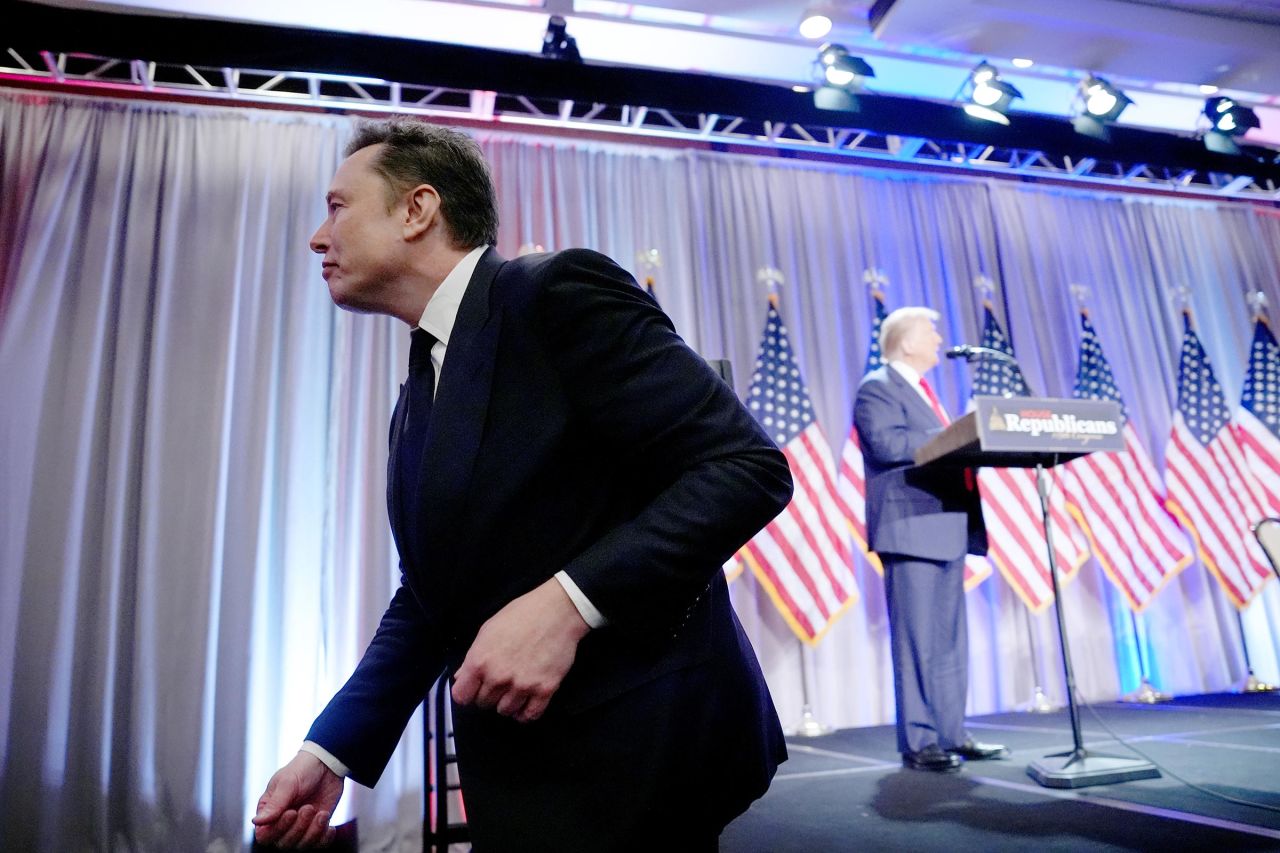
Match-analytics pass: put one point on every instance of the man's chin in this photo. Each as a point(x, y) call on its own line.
point(349, 301)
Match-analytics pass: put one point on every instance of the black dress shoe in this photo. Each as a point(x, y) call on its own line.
point(972, 750)
point(932, 757)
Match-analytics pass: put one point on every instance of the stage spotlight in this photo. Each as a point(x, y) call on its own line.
point(989, 96)
point(841, 69)
point(1100, 104)
point(1227, 119)
point(816, 22)
point(557, 43)
point(839, 75)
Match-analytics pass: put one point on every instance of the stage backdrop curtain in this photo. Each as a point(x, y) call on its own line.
point(193, 544)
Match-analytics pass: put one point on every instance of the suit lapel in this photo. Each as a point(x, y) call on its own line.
point(909, 393)
point(457, 417)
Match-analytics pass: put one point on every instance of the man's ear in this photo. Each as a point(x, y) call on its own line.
point(422, 210)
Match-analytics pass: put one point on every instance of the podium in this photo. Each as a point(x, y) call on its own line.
point(1041, 432)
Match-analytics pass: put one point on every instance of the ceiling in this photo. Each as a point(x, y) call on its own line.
point(1158, 52)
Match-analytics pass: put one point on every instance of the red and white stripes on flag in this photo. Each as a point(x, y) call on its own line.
point(851, 482)
point(1118, 498)
point(1011, 502)
point(1258, 418)
point(851, 487)
point(804, 557)
point(1211, 489)
point(1015, 533)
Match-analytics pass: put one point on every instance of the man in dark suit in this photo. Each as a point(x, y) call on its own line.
point(922, 522)
point(566, 479)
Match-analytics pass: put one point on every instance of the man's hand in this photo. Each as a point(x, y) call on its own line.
point(295, 810)
point(522, 654)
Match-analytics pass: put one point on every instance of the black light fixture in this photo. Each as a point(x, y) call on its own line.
point(1099, 104)
point(839, 75)
point(557, 43)
point(988, 96)
point(1227, 119)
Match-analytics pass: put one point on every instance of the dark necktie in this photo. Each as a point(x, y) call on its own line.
point(419, 394)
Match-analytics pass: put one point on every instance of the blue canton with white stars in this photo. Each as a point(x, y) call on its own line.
point(874, 357)
point(997, 377)
point(1262, 381)
point(779, 399)
point(1094, 380)
point(1200, 400)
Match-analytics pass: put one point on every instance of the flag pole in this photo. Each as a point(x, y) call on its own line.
point(1039, 703)
point(1251, 683)
point(809, 725)
point(1146, 694)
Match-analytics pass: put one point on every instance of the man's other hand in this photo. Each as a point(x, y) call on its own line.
point(521, 654)
point(295, 810)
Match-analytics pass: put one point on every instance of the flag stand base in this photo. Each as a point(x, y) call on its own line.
point(1040, 703)
point(1146, 695)
point(1083, 768)
point(1253, 685)
point(810, 726)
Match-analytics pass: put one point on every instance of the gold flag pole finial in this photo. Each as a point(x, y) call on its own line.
point(985, 287)
point(648, 262)
point(1257, 304)
point(876, 281)
point(772, 278)
point(1181, 299)
point(1080, 293)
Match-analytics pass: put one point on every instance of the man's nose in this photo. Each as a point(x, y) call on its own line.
point(320, 241)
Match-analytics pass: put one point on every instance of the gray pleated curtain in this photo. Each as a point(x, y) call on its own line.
point(193, 548)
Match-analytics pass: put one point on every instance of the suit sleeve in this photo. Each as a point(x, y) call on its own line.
point(362, 724)
point(882, 427)
point(635, 384)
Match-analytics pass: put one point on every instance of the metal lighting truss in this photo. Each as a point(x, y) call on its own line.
point(315, 90)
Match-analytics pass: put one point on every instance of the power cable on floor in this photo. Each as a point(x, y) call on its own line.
point(1207, 791)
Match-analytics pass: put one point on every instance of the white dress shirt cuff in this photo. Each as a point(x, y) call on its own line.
point(593, 617)
point(326, 756)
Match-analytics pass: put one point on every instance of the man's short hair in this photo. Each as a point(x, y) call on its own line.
point(895, 327)
point(415, 153)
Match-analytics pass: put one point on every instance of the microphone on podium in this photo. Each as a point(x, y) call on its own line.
point(974, 352)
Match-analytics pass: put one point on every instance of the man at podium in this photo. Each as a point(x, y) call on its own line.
point(921, 521)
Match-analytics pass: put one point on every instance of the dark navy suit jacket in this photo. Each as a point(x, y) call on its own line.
point(927, 512)
point(573, 429)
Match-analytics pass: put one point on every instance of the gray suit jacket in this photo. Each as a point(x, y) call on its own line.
point(928, 512)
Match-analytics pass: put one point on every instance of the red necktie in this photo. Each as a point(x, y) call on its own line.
point(942, 416)
point(933, 401)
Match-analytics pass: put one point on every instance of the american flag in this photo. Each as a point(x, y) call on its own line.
point(1258, 418)
point(804, 557)
point(1211, 489)
point(1117, 496)
point(851, 485)
point(1010, 501)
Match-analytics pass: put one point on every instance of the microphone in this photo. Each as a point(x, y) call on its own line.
point(974, 352)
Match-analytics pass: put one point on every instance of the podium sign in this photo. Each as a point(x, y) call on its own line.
point(1022, 432)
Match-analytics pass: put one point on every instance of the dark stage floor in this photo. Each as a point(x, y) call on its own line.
point(848, 791)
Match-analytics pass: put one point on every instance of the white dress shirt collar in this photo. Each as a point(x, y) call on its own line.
point(442, 308)
point(907, 372)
